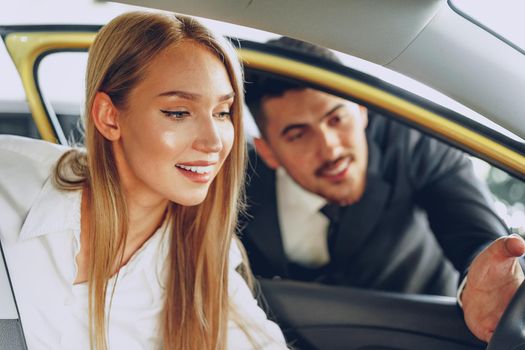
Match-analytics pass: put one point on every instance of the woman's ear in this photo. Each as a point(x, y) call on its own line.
point(264, 150)
point(105, 116)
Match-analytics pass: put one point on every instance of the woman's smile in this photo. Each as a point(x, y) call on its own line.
point(199, 171)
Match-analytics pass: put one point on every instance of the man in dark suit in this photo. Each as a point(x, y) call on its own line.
point(343, 196)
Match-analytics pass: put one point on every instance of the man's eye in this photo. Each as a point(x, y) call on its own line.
point(175, 114)
point(294, 137)
point(334, 120)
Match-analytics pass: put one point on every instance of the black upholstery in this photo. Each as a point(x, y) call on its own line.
point(11, 335)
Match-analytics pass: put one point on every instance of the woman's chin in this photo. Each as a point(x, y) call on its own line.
point(189, 201)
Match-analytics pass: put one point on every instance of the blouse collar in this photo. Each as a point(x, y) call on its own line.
point(53, 211)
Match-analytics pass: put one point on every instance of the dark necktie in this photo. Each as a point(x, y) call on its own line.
point(332, 212)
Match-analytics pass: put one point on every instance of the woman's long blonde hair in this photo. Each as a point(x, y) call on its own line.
point(195, 314)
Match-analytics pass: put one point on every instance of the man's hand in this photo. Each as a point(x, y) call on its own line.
point(493, 279)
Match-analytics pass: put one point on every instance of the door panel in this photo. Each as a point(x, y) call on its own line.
point(317, 316)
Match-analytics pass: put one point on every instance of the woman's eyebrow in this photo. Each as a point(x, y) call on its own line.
point(182, 94)
point(193, 96)
point(227, 96)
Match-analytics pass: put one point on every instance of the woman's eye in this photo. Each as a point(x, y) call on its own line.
point(175, 114)
point(223, 115)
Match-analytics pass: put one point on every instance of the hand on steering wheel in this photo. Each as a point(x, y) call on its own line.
point(493, 279)
point(509, 333)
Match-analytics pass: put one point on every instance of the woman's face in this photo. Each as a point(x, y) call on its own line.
point(176, 129)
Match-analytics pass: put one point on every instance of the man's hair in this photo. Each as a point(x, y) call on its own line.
point(260, 87)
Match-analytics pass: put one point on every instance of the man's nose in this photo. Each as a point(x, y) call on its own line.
point(208, 138)
point(329, 145)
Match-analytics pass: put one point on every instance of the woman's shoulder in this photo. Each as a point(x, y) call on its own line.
point(27, 149)
point(26, 165)
point(24, 159)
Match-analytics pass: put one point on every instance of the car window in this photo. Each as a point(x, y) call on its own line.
point(508, 194)
point(490, 14)
point(15, 116)
point(61, 82)
point(15, 119)
point(421, 171)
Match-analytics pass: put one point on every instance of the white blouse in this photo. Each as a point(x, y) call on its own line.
point(40, 235)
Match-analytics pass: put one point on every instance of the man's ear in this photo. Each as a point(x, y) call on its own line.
point(265, 152)
point(363, 111)
point(105, 116)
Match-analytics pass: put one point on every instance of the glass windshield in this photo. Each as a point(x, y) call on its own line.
point(504, 18)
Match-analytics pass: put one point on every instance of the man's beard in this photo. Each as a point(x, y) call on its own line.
point(351, 196)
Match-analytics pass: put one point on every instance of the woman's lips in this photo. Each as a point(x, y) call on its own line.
point(200, 172)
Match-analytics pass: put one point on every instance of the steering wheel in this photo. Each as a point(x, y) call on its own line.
point(510, 332)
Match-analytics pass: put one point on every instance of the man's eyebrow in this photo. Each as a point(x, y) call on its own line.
point(301, 126)
point(193, 96)
point(338, 106)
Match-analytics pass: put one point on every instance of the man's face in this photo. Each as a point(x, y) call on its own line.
point(320, 140)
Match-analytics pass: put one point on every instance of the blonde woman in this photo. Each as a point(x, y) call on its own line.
point(129, 243)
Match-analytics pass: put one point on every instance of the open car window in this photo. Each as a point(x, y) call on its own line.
point(64, 92)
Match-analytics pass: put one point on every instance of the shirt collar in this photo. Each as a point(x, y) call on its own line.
point(53, 211)
point(294, 196)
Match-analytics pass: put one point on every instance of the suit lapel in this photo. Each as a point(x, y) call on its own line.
point(359, 219)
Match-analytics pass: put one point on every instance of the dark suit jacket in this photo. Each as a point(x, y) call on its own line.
point(422, 218)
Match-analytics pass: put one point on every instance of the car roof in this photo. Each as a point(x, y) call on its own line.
point(428, 40)
point(425, 40)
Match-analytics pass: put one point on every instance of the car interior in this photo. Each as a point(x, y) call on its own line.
point(313, 316)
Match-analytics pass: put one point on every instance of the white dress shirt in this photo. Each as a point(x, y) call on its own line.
point(303, 227)
point(40, 235)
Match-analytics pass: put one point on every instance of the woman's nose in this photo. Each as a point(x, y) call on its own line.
point(208, 138)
